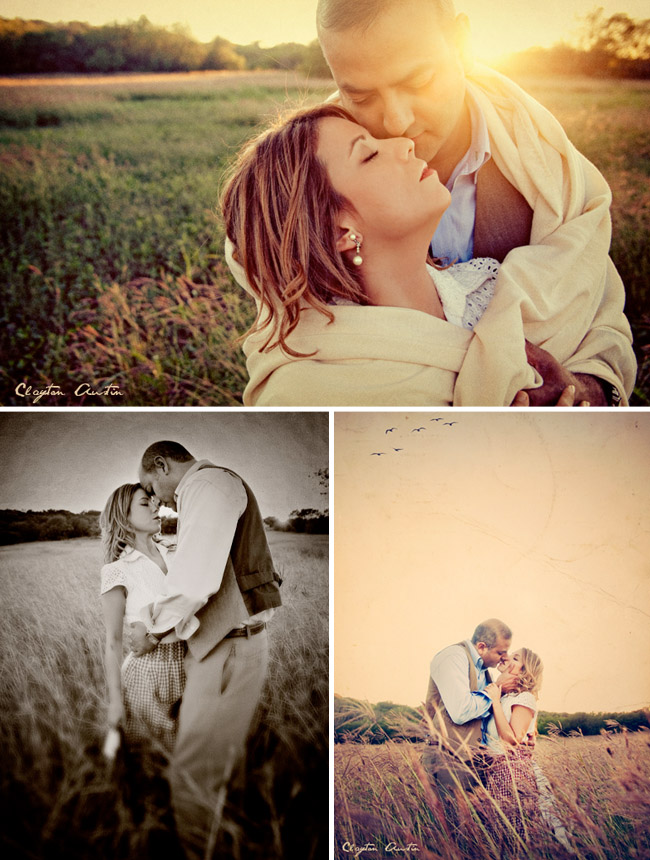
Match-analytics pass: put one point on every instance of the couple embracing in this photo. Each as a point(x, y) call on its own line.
point(197, 613)
point(429, 236)
point(482, 732)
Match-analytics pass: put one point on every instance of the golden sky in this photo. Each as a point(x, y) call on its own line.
point(499, 25)
point(540, 519)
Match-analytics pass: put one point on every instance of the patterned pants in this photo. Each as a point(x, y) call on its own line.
point(152, 689)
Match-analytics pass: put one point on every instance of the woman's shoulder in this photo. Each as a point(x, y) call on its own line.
point(525, 698)
point(113, 574)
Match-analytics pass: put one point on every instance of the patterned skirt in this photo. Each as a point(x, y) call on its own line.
point(511, 781)
point(152, 688)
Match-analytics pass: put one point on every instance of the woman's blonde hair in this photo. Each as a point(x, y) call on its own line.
point(532, 669)
point(115, 523)
point(281, 214)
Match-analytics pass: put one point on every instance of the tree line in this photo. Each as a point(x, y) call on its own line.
point(362, 722)
point(39, 47)
point(614, 46)
point(28, 526)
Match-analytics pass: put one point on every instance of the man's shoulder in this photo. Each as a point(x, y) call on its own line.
point(451, 652)
point(219, 478)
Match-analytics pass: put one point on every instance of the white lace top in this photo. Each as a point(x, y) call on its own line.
point(508, 701)
point(142, 580)
point(466, 289)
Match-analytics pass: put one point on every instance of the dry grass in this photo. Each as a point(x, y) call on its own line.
point(113, 271)
point(602, 785)
point(59, 797)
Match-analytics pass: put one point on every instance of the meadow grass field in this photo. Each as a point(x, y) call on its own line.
point(61, 799)
point(112, 271)
point(384, 804)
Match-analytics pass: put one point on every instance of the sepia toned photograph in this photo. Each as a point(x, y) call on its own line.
point(491, 640)
point(165, 669)
point(418, 203)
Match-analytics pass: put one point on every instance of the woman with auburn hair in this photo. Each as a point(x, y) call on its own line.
point(144, 692)
point(329, 229)
point(513, 778)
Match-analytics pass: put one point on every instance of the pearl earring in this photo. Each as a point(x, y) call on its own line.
point(357, 259)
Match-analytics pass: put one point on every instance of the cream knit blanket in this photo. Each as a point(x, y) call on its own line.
point(561, 292)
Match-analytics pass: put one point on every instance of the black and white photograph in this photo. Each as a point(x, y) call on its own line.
point(165, 669)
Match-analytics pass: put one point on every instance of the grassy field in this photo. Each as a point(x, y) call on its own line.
point(384, 804)
point(59, 798)
point(112, 271)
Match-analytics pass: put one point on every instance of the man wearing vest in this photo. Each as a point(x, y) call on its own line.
point(222, 589)
point(520, 191)
point(456, 704)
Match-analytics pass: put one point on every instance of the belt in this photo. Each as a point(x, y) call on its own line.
point(248, 631)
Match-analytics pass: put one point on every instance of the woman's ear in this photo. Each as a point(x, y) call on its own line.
point(348, 239)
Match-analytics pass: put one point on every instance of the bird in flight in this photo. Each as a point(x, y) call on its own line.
point(449, 423)
point(435, 419)
point(377, 453)
point(390, 429)
point(398, 449)
point(417, 429)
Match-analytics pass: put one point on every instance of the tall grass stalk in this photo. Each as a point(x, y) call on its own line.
point(384, 799)
point(107, 186)
point(59, 796)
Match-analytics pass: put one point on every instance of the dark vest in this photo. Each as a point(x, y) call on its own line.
point(250, 583)
point(446, 732)
point(503, 217)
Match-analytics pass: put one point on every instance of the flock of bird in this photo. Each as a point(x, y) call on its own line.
point(390, 430)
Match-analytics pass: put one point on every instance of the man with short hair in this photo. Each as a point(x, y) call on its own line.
point(457, 705)
point(521, 192)
point(222, 589)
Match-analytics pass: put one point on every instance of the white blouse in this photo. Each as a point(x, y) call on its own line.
point(508, 701)
point(142, 580)
point(466, 289)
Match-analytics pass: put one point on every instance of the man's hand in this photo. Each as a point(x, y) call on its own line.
point(560, 387)
point(138, 641)
point(506, 682)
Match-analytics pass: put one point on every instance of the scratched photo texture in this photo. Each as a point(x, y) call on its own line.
point(60, 796)
point(443, 521)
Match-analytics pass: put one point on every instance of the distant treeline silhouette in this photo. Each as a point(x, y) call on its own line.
point(361, 722)
point(26, 526)
point(618, 46)
point(306, 520)
point(38, 47)
point(614, 47)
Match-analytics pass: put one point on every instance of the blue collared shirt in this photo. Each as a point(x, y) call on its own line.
point(454, 238)
point(449, 671)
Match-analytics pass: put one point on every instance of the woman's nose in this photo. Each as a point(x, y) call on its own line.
point(403, 147)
